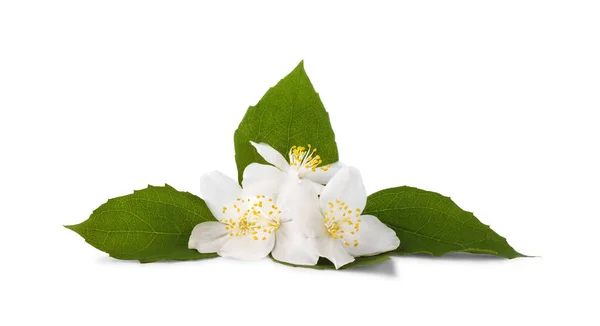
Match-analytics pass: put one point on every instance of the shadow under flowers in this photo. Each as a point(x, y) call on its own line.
point(386, 268)
point(456, 256)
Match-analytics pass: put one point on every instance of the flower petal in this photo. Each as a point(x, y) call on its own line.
point(218, 190)
point(346, 186)
point(261, 179)
point(322, 177)
point(292, 246)
point(316, 186)
point(300, 202)
point(271, 155)
point(373, 238)
point(246, 248)
point(333, 250)
point(256, 173)
point(208, 237)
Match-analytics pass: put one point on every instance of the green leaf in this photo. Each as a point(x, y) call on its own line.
point(149, 225)
point(323, 263)
point(427, 222)
point(290, 113)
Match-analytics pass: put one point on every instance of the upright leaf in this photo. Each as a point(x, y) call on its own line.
point(149, 225)
point(290, 113)
point(427, 222)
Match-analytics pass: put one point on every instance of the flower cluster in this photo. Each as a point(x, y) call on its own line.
point(295, 209)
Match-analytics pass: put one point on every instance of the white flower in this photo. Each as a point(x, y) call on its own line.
point(252, 223)
point(303, 165)
point(336, 222)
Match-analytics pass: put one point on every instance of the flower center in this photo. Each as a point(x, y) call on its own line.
point(332, 227)
point(245, 225)
point(342, 222)
point(253, 216)
point(302, 159)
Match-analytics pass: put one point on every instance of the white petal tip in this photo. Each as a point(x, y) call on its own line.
point(396, 246)
point(344, 264)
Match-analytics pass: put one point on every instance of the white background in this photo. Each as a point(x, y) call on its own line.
point(492, 103)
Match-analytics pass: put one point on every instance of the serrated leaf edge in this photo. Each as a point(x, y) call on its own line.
point(73, 227)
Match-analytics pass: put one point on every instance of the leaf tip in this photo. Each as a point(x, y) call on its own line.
point(520, 255)
point(300, 66)
point(74, 228)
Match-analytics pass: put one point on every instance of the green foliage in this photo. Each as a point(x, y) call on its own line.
point(290, 113)
point(149, 225)
point(427, 222)
point(155, 223)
